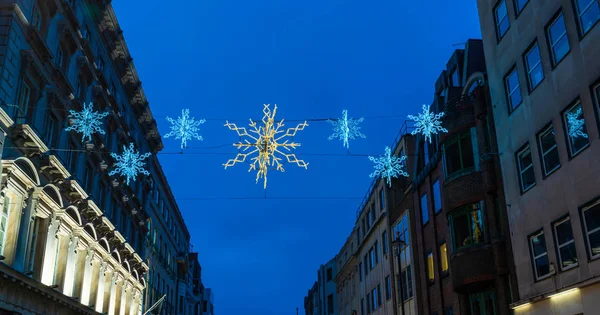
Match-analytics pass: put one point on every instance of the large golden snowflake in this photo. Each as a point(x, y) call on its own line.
point(268, 142)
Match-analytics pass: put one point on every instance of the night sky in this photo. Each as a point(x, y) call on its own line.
point(223, 59)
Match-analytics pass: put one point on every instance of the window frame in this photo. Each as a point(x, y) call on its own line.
point(381, 199)
point(520, 170)
point(578, 15)
point(388, 288)
point(533, 258)
point(543, 154)
point(444, 257)
point(384, 242)
point(518, 10)
point(467, 210)
point(512, 108)
point(565, 125)
point(531, 69)
point(430, 263)
point(497, 22)
point(426, 210)
point(586, 207)
point(558, 246)
point(458, 140)
point(551, 45)
point(435, 200)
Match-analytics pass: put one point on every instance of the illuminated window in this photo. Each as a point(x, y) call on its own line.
point(558, 39)
point(525, 165)
point(443, 258)
point(437, 196)
point(374, 299)
point(424, 209)
point(575, 128)
point(430, 267)
point(4, 223)
point(563, 235)
point(548, 150)
point(588, 13)
point(466, 226)
point(501, 17)
point(539, 255)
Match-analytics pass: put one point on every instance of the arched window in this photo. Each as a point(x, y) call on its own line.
point(89, 229)
point(72, 212)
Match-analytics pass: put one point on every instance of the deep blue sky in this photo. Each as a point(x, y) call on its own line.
point(223, 59)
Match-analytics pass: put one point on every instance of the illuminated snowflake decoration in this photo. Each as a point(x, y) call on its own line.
point(268, 145)
point(388, 166)
point(428, 123)
point(346, 129)
point(87, 122)
point(576, 125)
point(185, 128)
point(129, 163)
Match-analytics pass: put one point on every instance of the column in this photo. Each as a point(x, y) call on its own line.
point(25, 233)
point(134, 302)
point(100, 290)
point(125, 287)
point(87, 278)
point(71, 267)
point(50, 252)
point(112, 302)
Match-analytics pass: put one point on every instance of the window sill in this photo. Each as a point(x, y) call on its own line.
point(573, 266)
point(555, 65)
point(523, 191)
point(532, 89)
point(574, 155)
point(542, 278)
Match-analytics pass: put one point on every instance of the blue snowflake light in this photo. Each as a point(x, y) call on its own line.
point(388, 166)
point(87, 122)
point(428, 123)
point(185, 128)
point(346, 129)
point(576, 125)
point(129, 163)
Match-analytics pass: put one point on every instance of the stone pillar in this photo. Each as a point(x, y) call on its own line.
point(26, 234)
point(87, 278)
point(100, 290)
point(71, 267)
point(134, 302)
point(50, 252)
point(112, 302)
point(125, 289)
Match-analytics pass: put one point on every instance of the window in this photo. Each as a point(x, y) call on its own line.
point(360, 271)
point(533, 64)
point(548, 150)
point(362, 306)
point(99, 63)
point(430, 267)
point(366, 263)
point(369, 303)
point(329, 274)
point(378, 295)
point(373, 213)
point(381, 199)
point(59, 57)
point(424, 210)
point(180, 303)
point(85, 32)
point(371, 258)
point(466, 226)
point(374, 299)
point(558, 39)
point(36, 19)
point(525, 166)
point(23, 99)
point(539, 255)
point(376, 250)
point(437, 196)
point(520, 4)
point(483, 303)
point(330, 304)
point(384, 241)
point(5, 211)
point(588, 13)
point(458, 156)
point(443, 258)
point(388, 288)
point(455, 78)
point(591, 220)
point(358, 235)
point(576, 129)
point(502, 23)
point(513, 91)
point(563, 234)
point(369, 222)
point(407, 288)
point(50, 130)
point(425, 153)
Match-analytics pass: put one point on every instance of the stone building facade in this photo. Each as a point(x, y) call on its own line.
point(72, 238)
point(543, 68)
point(346, 279)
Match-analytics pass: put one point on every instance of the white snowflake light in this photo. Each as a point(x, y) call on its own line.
point(346, 129)
point(87, 122)
point(388, 166)
point(185, 128)
point(428, 123)
point(576, 125)
point(129, 163)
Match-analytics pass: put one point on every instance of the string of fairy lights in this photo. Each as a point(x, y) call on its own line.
point(265, 145)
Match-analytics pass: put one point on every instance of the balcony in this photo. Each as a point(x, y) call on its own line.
point(463, 189)
point(472, 269)
point(459, 114)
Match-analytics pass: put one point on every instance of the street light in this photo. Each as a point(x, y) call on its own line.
point(398, 244)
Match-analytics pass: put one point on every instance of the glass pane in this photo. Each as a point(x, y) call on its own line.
point(525, 159)
point(551, 161)
point(515, 98)
point(538, 244)
point(533, 57)
point(437, 196)
point(536, 76)
point(568, 255)
point(452, 158)
point(595, 243)
point(576, 128)
point(592, 218)
point(561, 49)
point(512, 81)
point(489, 304)
point(528, 178)
point(547, 140)
point(477, 227)
point(501, 11)
point(564, 233)
point(476, 306)
point(503, 27)
point(424, 210)
point(590, 17)
point(461, 230)
point(467, 151)
point(541, 266)
point(557, 29)
point(430, 268)
point(444, 257)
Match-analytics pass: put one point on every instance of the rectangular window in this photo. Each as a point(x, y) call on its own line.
point(99, 63)
point(373, 213)
point(330, 304)
point(458, 157)
point(533, 64)
point(591, 220)
point(501, 17)
point(407, 288)
point(539, 255)
point(49, 129)
point(381, 199)
point(362, 306)
point(4, 223)
point(430, 267)
point(558, 40)
point(455, 78)
point(376, 250)
point(23, 99)
point(329, 274)
point(388, 288)
point(378, 295)
point(519, 5)
point(588, 13)
point(369, 222)
point(424, 210)
point(443, 258)
point(59, 57)
point(466, 226)
point(85, 32)
point(358, 235)
point(366, 263)
point(384, 242)
point(483, 303)
point(437, 196)
point(371, 258)
point(548, 150)
point(576, 129)
point(513, 90)
point(364, 225)
point(374, 299)
point(360, 271)
point(525, 166)
point(563, 235)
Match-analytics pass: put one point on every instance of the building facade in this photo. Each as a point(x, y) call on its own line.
point(312, 301)
point(327, 289)
point(544, 74)
point(346, 279)
point(208, 300)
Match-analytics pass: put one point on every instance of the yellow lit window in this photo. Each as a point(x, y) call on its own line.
point(444, 257)
point(430, 270)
